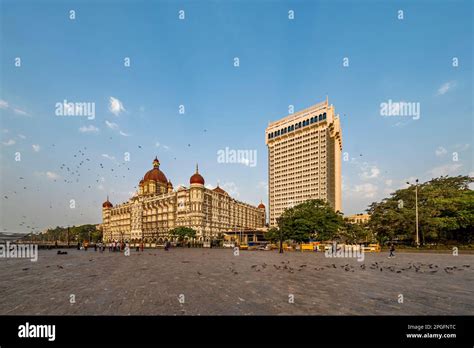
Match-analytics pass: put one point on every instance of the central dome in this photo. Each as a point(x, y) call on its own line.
point(156, 174)
point(196, 178)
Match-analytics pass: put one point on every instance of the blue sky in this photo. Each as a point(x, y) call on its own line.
point(190, 62)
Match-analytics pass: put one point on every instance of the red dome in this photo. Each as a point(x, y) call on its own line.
point(156, 174)
point(107, 204)
point(261, 206)
point(196, 178)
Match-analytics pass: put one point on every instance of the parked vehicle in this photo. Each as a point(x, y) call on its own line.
point(372, 248)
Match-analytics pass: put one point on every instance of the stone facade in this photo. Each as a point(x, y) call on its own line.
point(157, 208)
point(304, 159)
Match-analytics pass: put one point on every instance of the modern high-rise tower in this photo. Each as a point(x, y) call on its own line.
point(304, 159)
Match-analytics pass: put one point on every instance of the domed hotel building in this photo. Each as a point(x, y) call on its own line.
point(157, 208)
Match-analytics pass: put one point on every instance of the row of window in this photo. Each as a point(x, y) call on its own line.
point(297, 125)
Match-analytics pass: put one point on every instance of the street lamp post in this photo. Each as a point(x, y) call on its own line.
point(416, 212)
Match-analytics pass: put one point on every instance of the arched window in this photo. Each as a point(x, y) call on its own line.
point(324, 116)
point(320, 117)
point(299, 125)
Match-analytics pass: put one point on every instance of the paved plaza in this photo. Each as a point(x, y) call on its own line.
point(215, 282)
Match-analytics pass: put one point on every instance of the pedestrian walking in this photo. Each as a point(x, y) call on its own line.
point(392, 249)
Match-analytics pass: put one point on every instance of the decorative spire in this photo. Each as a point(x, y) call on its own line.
point(156, 163)
point(197, 168)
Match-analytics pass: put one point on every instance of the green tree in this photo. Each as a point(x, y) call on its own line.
point(310, 219)
point(275, 234)
point(445, 212)
point(353, 233)
point(183, 233)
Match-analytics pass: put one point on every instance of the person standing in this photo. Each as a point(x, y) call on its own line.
point(392, 249)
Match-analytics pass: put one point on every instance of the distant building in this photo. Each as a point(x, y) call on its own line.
point(157, 208)
point(358, 218)
point(304, 159)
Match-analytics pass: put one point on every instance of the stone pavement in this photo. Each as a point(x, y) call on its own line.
point(215, 282)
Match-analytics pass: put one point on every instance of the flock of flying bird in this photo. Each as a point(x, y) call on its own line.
point(73, 173)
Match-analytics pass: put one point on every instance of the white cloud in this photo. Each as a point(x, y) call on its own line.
point(52, 175)
point(9, 142)
point(445, 170)
point(231, 189)
point(89, 129)
point(389, 182)
point(366, 190)
point(115, 106)
point(164, 147)
point(20, 112)
point(111, 125)
point(262, 185)
point(462, 147)
point(100, 187)
point(445, 87)
point(112, 158)
point(21, 136)
point(3, 104)
point(115, 126)
point(35, 147)
point(440, 151)
point(369, 172)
